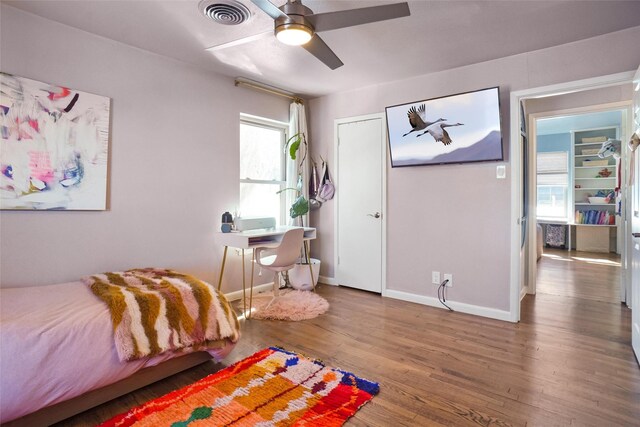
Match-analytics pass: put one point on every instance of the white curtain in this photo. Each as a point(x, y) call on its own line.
point(297, 124)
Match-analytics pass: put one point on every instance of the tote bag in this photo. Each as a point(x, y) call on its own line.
point(327, 189)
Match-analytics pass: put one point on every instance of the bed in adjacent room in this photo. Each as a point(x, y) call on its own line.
point(58, 356)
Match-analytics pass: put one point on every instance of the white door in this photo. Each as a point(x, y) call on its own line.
point(360, 163)
point(635, 225)
point(526, 182)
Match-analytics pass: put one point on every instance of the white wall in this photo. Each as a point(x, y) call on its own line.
point(455, 218)
point(174, 159)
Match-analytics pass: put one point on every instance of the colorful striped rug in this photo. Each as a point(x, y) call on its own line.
point(273, 387)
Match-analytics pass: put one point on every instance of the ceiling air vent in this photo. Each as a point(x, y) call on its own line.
point(227, 12)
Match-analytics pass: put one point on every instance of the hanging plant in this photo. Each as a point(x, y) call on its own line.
point(301, 205)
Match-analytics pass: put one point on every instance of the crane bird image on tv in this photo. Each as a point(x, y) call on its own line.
point(418, 119)
point(438, 132)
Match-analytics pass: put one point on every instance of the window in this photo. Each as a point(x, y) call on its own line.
point(553, 180)
point(262, 167)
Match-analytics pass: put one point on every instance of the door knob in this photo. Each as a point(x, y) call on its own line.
point(636, 235)
point(376, 215)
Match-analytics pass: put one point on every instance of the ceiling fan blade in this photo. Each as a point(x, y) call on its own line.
point(349, 18)
point(240, 41)
point(318, 48)
point(269, 8)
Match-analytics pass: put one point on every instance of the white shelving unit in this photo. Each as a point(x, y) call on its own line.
point(597, 227)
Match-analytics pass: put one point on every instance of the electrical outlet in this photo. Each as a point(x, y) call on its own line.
point(435, 277)
point(449, 277)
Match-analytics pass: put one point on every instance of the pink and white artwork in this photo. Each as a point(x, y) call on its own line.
point(54, 147)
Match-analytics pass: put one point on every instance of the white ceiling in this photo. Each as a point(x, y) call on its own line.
point(438, 35)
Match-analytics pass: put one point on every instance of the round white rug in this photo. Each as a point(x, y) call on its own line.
point(290, 304)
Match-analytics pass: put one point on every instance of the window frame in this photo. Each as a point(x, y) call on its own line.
point(566, 172)
point(256, 121)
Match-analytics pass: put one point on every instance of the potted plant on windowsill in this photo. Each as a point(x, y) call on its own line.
point(299, 276)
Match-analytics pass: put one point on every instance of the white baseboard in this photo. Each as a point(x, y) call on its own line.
point(268, 287)
point(237, 295)
point(327, 280)
point(523, 292)
point(476, 310)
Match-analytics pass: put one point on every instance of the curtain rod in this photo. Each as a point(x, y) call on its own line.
point(273, 91)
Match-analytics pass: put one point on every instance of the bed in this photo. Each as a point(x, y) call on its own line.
point(58, 358)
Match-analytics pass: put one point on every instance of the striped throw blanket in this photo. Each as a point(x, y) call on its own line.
point(155, 310)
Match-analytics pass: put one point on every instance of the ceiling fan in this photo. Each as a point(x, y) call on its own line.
point(296, 24)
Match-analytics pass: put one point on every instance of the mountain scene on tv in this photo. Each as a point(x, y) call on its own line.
point(488, 148)
point(455, 129)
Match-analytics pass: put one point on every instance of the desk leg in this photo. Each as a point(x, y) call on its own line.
point(308, 256)
point(253, 263)
point(244, 296)
point(224, 260)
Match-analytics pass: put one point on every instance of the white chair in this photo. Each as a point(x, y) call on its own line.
point(286, 256)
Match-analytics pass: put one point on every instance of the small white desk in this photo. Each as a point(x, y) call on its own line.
point(258, 238)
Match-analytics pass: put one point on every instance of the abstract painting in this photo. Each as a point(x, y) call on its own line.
point(54, 147)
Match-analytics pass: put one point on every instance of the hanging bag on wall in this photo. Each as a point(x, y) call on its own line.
point(314, 184)
point(327, 189)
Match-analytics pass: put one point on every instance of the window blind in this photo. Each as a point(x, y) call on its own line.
point(553, 162)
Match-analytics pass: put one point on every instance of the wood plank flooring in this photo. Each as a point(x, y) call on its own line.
point(568, 362)
point(593, 276)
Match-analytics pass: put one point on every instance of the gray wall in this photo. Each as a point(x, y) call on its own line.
point(455, 218)
point(580, 99)
point(174, 159)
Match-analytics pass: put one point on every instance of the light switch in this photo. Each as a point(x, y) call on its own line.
point(501, 171)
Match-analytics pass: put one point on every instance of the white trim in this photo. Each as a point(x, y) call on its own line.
point(514, 161)
point(524, 291)
point(621, 236)
point(327, 280)
point(461, 307)
point(516, 198)
point(383, 129)
point(268, 287)
point(607, 106)
point(264, 121)
point(237, 295)
point(530, 284)
point(574, 86)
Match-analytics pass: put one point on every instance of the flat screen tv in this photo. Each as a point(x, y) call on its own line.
point(458, 128)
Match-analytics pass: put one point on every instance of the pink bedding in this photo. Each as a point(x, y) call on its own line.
point(56, 343)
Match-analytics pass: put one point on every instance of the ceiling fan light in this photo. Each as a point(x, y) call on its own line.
point(293, 34)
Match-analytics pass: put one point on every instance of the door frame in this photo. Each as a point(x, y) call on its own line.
point(515, 154)
point(336, 169)
point(625, 108)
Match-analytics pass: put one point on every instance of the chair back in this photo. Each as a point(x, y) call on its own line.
point(289, 250)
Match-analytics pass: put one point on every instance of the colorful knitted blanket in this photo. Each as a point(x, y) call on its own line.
point(155, 310)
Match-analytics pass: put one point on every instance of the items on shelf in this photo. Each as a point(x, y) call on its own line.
point(608, 195)
point(596, 175)
point(590, 162)
point(594, 139)
point(594, 217)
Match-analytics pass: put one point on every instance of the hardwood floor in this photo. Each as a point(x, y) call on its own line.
point(568, 362)
point(585, 275)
